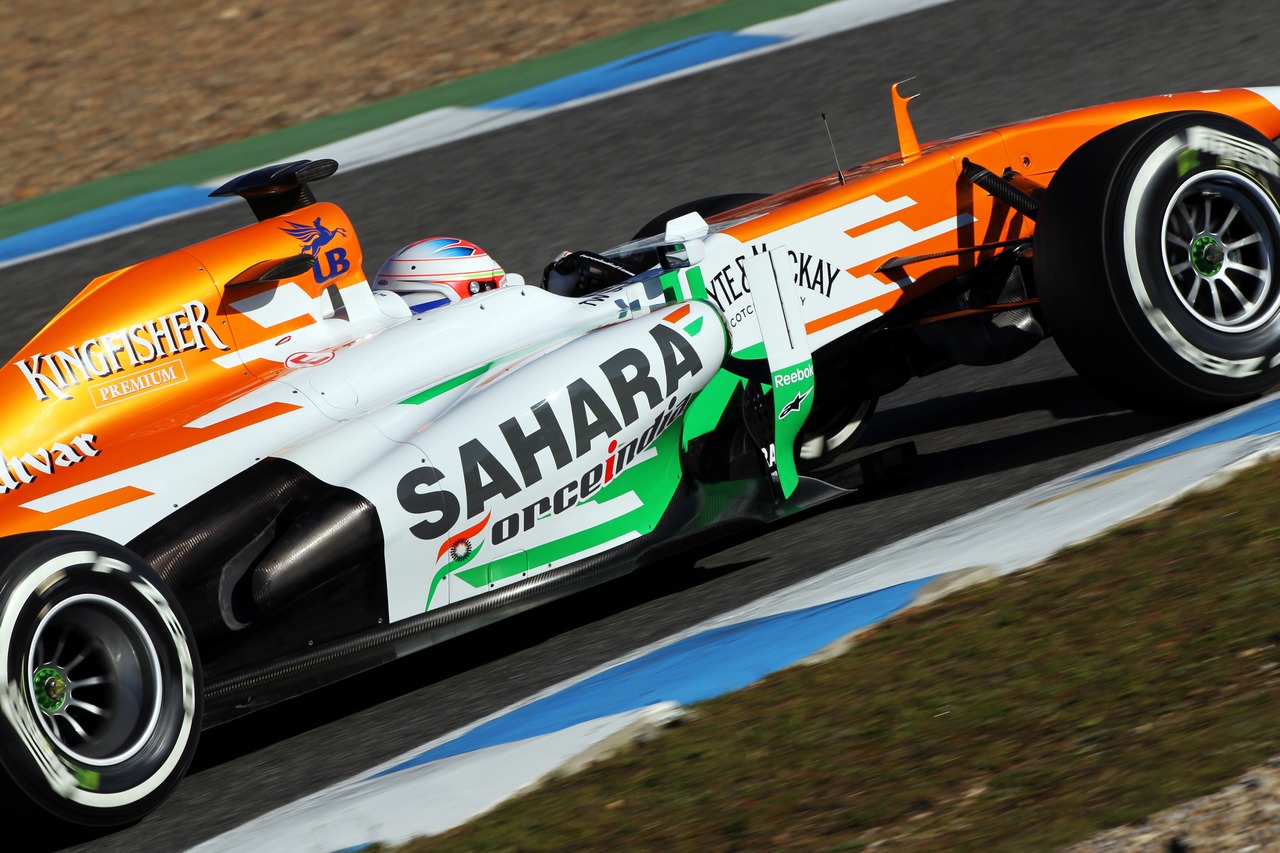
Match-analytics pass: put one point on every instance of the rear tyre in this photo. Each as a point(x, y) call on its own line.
point(100, 684)
point(1157, 262)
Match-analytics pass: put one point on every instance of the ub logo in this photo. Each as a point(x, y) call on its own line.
point(313, 238)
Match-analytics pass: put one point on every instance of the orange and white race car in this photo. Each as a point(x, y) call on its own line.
point(240, 470)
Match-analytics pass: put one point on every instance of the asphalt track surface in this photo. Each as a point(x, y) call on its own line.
point(586, 178)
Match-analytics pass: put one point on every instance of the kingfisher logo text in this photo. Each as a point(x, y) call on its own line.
point(114, 392)
point(54, 374)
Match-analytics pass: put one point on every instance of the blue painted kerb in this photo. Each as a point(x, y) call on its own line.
point(646, 65)
point(122, 215)
point(138, 211)
point(700, 667)
point(1259, 420)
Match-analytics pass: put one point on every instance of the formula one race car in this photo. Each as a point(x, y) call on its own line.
point(238, 471)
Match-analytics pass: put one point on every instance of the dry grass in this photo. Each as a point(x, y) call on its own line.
point(1120, 678)
point(94, 89)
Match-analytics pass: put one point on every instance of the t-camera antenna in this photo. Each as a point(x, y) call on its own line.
point(839, 171)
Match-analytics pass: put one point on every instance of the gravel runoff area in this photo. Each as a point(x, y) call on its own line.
point(101, 88)
point(1244, 816)
point(95, 89)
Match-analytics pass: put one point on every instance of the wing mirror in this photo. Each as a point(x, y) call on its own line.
point(684, 246)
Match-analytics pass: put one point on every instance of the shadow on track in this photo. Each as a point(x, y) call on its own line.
point(454, 657)
point(965, 435)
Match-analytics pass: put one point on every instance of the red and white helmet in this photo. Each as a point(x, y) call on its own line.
point(438, 270)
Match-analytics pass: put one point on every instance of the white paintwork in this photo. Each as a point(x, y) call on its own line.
point(1271, 93)
point(820, 243)
point(476, 414)
point(1070, 509)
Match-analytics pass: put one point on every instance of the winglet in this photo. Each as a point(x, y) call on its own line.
point(279, 189)
point(906, 133)
point(776, 303)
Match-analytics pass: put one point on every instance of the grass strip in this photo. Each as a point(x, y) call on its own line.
point(468, 91)
point(1122, 677)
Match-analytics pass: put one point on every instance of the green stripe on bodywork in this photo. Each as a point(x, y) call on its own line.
point(482, 575)
point(682, 285)
point(792, 404)
point(654, 481)
point(503, 567)
point(446, 386)
point(708, 409)
point(672, 287)
point(440, 575)
point(697, 285)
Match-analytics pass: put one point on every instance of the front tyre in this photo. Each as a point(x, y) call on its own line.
point(100, 685)
point(1157, 262)
point(827, 435)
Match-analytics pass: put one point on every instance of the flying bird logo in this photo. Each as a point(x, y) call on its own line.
point(313, 236)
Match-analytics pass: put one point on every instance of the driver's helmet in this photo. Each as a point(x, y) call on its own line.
point(438, 270)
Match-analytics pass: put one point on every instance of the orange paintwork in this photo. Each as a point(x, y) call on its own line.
point(29, 521)
point(677, 315)
point(113, 380)
point(933, 180)
point(908, 145)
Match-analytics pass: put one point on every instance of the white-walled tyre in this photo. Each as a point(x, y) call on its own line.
point(100, 686)
point(1157, 262)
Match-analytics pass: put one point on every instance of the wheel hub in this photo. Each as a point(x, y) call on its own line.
point(96, 680)
point(1221, 244)
point(51, 689)
point(1208, 255)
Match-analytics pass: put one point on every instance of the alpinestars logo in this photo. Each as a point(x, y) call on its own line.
point(793, 406)
point(504, 473)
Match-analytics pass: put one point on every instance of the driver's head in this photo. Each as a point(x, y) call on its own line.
point(439, 270)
